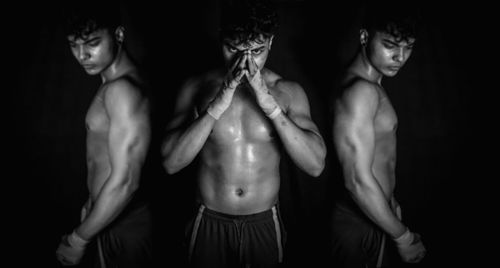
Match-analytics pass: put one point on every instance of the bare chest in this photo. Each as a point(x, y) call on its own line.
point(386, 121)
point(97, 120)
point(243, 121)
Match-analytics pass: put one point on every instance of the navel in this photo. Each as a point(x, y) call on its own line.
point(239, 192)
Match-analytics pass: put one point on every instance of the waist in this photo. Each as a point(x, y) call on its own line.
point(251, 218)
point(237, 196)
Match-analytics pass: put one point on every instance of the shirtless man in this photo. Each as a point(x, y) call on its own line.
point(238, 122)
point(115, 218)
point(364, 134)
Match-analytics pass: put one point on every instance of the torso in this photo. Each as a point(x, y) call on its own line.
point(98, 124)
point(239, 171)
point(98, 164)
point(385, 126)
point(384, 163)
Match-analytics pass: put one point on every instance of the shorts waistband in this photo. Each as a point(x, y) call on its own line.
point(254, 217)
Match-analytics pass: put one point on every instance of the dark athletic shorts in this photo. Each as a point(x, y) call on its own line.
point(220, 240)
point(356, 240)
point(127, 242)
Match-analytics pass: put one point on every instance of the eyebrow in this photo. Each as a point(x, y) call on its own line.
point(396, 43)
point(260, 46)
point(87, 41)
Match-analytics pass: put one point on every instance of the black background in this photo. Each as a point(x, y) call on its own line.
point(440, 172)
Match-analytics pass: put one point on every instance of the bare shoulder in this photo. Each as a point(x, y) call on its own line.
point(279, 84)
point(359, 92)
point(285, 90)
point(193, 86)
point(123, 91)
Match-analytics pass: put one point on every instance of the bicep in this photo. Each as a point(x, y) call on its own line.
point(185, 108)
point(354, 137)
point(129, 130)
point(299, 110)
point(355, 143)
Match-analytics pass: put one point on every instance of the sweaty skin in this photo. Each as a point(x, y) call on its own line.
point(365, 129)
point(364, 134)
point(118, 130)
point(240, 152)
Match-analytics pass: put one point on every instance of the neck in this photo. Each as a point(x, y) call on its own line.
point(363, 67)
point(120, 66)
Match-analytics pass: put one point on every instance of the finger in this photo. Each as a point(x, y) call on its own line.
point(417, 238)
point(243, 61)
point(240, 75)
point(235, 63)
point(252, 66)
point(233, 83)
point(59, 257)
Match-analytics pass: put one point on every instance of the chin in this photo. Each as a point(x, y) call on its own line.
point(390, 73)
point(92, 71)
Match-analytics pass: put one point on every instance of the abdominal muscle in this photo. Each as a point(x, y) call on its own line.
point(98, 165)
point(241, 178)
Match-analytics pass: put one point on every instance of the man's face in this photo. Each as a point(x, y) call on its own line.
point(387, 54)
point(94, 52)
point(232, 50)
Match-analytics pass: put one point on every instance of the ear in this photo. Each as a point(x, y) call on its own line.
point(363, 37)
point(271, 41)
point(120, 34)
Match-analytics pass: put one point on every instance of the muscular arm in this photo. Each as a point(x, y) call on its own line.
point(299, 134)
point(185, 137)
point(354, 138)
point(128, 140)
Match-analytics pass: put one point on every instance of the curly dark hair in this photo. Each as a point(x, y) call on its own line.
point(81, 21)
point(392, 19)
point(248, 20)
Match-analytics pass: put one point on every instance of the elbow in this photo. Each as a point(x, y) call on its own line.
point(170, 166)
point(170, 163)
point(316, 172)
point(319, 164)
point(317, 168)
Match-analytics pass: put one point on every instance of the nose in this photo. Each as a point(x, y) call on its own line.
point(399, 56)
point(82, 54)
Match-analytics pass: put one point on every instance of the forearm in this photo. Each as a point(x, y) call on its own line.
point(306, 148)
point(372, 201)
point(183, 144)
point(110, 202)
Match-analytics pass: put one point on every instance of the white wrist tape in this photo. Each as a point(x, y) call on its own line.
point(214, 112)
point(221, 102)
point(405, 239)
point(76, 241)
point(275, 112)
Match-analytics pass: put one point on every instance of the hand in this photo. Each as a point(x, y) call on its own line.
point(254, 75)
point(225, 95)
point(410, 247)
point(265, 100)
point(71, 249)
point(236, 72)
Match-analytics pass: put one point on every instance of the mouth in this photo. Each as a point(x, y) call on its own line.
point(88, 66)
point(394, 68)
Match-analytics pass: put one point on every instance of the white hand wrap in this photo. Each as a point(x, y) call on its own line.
point(269, 105)
point(405, 239)
point(76, 241)
point(221, 102)
point(275, 113)
point(410, 247)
